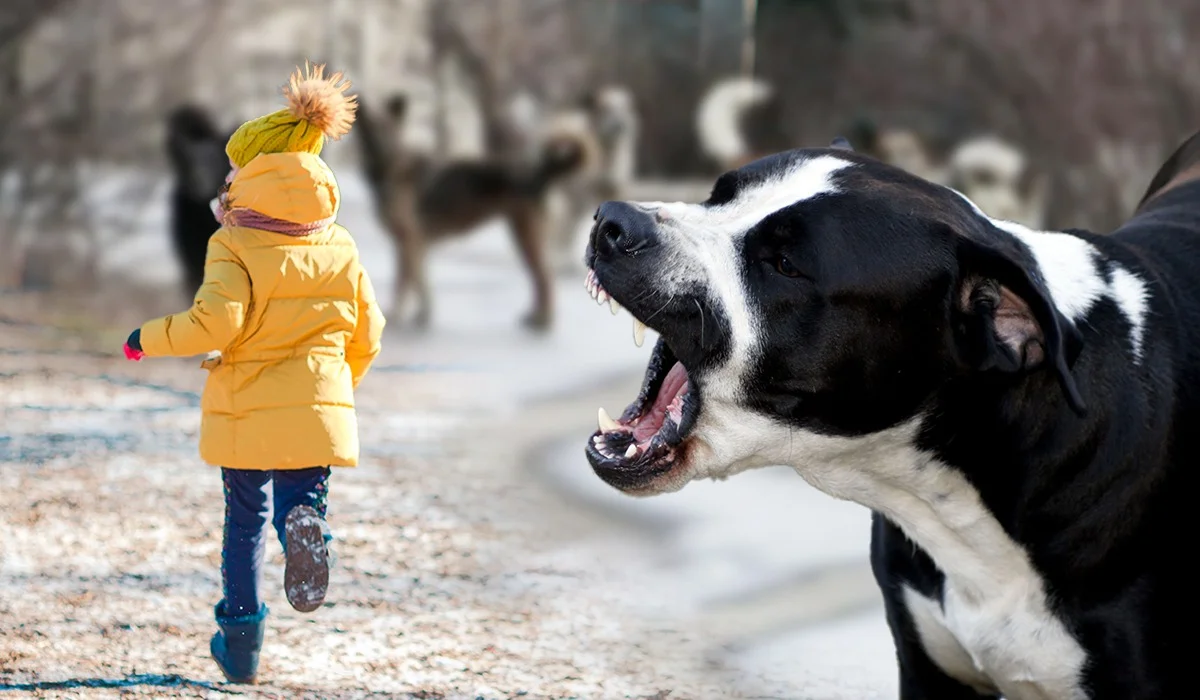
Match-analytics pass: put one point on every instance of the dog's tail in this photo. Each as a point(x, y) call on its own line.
point(569, 148)
point(720, 113)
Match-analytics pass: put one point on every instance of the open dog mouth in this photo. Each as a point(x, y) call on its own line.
point(648, 438)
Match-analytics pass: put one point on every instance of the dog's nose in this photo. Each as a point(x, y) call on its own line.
point(623, 227)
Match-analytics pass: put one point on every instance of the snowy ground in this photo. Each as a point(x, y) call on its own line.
point(478, 554)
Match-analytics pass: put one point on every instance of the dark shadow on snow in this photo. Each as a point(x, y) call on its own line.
point(155, 680)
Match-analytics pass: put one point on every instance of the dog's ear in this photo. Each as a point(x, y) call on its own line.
point(1008, 321)
point(841, 143)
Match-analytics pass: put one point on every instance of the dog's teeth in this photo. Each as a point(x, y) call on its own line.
point(603, 296)
point(607, 424)
point(639, 332)
point(631, 451)
point(597, 440)
point(614, 306)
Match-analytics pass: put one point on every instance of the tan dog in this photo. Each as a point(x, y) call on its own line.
point(609, 115)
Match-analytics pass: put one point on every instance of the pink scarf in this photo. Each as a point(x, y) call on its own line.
point(249, 218)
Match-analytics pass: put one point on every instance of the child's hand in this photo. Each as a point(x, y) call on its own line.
point(133, 346)
point(212, 360)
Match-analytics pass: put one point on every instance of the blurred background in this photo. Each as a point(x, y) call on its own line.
point(480, 557)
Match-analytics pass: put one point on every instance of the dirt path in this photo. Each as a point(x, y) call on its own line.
point(447, 585)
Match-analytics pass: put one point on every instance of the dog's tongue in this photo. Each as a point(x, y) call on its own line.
point(673, 386)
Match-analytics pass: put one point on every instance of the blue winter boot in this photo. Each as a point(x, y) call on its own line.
point(235, 647)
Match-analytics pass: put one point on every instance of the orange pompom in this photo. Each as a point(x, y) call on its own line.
point(321, 101)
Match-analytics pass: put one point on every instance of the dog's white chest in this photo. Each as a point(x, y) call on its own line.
point(1009, 644)
point(993, 628)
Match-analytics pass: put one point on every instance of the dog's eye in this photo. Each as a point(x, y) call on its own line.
point(785, 267)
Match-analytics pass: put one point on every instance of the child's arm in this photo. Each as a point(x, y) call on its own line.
point(366, 342)
point(217, 314)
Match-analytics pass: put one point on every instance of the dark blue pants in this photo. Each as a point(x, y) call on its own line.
point(246, 507)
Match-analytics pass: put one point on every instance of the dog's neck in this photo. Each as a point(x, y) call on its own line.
point(935, 504)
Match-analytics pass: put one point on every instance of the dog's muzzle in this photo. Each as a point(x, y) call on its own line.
point(622, 228)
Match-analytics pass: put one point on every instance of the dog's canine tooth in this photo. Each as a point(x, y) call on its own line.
point(602, 297)
point(607, 424)
point(639, 332)
point(614, 306)
point(631, 451)
point(597, 440)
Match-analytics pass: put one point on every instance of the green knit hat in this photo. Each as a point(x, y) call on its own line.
point(318, 108)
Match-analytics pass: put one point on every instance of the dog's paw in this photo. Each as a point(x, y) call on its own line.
point(540, 321)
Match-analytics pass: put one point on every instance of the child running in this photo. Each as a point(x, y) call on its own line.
point(289, 319)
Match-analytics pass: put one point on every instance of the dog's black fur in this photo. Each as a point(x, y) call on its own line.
point(892, 298)
point(196, 154)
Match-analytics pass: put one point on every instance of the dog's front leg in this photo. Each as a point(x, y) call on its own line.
point(561, 210)
point(416, 281)
point(528, 228)
point(898, 563)
point(409, 241)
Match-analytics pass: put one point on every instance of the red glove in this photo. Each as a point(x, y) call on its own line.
point(133, 346)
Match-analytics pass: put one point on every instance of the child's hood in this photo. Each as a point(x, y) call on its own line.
point(295, 187)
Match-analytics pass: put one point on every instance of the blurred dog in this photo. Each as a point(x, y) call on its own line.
point(422, 200)
point(993, 173)
point(610, 118)
point(997, 177)
point(900, 147)
point(196, 154)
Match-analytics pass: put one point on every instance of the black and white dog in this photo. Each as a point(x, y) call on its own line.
point(1019, 408)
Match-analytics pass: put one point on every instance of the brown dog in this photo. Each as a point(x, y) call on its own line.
point(422, 201)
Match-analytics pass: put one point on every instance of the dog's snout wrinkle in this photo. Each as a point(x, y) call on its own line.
point(624, 228)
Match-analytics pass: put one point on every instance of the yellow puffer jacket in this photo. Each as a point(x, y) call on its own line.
point(296, 321)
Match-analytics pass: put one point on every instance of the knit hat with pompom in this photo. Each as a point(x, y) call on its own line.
point(318, 108)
